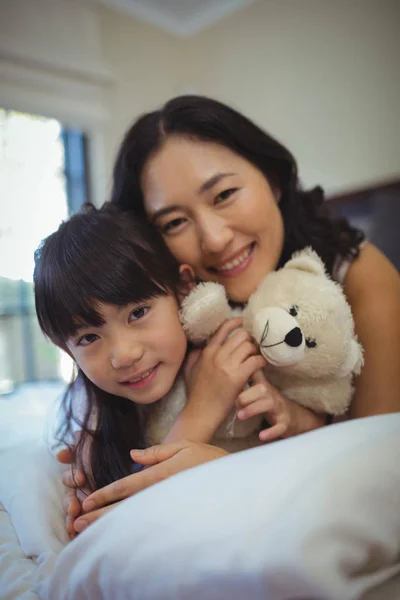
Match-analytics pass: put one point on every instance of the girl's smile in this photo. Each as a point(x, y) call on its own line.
point(136, 352)
point(142, 380)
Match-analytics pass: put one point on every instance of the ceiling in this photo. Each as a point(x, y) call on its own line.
point(179, 17)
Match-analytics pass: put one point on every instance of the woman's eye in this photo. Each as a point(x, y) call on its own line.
point(174, 224)
point(294, 311)
point(87, 339)
point(225, 194)
point(139, 313)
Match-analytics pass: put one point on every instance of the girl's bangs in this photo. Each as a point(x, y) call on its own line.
point(98, 258)
point(75, 293)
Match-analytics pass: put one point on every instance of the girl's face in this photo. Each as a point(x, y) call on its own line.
point(136, 353)
point(216, 212)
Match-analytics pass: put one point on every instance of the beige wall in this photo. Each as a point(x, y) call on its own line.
point(146, 65)
point(321, 76)
point(86, 66)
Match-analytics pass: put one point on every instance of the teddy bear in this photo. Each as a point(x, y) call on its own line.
point(303, 325)
point(301, 322)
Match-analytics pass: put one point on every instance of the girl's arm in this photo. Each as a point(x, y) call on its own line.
point(208, 405)
point(372, 287)
point(214, 382)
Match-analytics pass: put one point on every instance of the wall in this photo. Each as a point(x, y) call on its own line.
point(86, 66)
point(322, 76)
point(146, 65)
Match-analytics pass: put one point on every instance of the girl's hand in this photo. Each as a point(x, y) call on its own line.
point(162, 461)
point(223, 368)
point(286, 418)
point(214, 378)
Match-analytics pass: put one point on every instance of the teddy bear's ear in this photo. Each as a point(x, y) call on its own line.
point(306, 260)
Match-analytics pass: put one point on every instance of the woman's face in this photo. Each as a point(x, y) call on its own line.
point(216, 212)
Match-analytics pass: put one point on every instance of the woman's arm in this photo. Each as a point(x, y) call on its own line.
point(372, 287)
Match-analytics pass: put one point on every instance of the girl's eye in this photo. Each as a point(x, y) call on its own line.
point(87, 339)
point(225, 194)
point(294, 310)
point(139, 313)
point(172, 225)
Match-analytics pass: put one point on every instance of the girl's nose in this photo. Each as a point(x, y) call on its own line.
point(215, 234)
point(126, 353)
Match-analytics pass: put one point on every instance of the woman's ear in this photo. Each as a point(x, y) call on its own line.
point(277, 193)
point(187, 281)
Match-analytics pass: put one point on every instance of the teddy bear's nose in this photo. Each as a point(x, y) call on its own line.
point(294, 337)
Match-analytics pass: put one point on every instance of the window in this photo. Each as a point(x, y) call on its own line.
point(43, 179)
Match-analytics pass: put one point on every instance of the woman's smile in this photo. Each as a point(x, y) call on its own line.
point(235, 264)
point(217, 213)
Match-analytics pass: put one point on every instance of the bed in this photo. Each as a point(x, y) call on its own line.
point(31, 519)
point(317, 516)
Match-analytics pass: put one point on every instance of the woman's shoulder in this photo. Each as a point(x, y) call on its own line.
point(342, 264)
point(371, 272)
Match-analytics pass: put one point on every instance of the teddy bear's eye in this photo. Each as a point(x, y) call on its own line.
point(310, 343)
point(294, 310)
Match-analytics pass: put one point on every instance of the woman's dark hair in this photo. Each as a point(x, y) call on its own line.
point(305, 214)
point(99, 256)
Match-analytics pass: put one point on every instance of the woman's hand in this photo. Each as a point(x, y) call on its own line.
point(214, 378)
point(162, 461)
point(286, 418)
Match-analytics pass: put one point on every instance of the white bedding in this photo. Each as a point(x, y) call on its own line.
point(32, 530)
point(317, 516)
point(19, 574)
point(313, 517)
point(31, 519)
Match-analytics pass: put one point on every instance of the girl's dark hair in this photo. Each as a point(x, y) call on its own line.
point(305, 214)
point(99, 256)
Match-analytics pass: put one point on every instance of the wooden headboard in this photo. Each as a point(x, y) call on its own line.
point(375, 210)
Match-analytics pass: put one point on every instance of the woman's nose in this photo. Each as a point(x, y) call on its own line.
point(125, 353)
point(215, 234)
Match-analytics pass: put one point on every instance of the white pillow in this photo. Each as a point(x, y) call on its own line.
point(31, 491)
point(313, 517)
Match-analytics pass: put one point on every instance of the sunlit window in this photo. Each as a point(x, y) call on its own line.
point(42, 176)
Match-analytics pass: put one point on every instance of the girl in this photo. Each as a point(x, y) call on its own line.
point(225, 196)
point(106, 291)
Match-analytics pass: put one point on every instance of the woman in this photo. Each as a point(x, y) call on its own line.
point(225, 196)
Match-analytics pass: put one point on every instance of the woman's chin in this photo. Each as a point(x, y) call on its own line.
point(240, 291)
